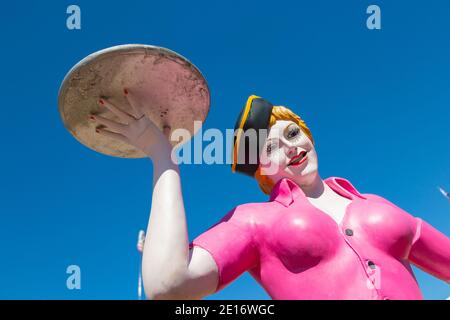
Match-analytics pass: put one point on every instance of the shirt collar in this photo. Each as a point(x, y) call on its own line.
point(286, 191)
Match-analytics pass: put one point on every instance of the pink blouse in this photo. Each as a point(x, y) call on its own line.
point(296, 251)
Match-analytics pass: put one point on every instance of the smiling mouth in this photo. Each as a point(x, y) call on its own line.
point(298, 159)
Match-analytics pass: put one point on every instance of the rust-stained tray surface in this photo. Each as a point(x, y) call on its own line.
point(168, 88)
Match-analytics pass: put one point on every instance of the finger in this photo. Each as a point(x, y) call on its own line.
point(133, 104)
point(123, 116)
point(113, 135)
point(166, 130)
point(114, 126)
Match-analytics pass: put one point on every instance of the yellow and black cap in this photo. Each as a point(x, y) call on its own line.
point(247, 145)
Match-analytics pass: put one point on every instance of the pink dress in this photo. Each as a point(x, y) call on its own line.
point(296, 251)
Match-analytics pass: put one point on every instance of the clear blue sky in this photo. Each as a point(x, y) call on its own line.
point(377, 103)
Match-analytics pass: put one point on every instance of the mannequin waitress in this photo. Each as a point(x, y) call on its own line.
point(313, 239)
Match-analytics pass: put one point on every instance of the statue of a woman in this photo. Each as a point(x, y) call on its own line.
point(313, 239)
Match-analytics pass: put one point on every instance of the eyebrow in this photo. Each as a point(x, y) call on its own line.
point(286, 127)
point(290, 124)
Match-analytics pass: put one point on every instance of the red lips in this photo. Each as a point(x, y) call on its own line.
point(298, 159)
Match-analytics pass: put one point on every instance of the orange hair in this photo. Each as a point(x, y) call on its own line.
point(280, 113)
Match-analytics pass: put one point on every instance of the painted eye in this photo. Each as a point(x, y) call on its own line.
point(293, 132)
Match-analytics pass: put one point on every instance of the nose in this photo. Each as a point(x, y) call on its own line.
point(291, 152)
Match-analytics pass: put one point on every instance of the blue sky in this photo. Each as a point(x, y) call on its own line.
point(377, 103)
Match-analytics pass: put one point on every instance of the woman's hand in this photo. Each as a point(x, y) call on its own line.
point(135, 129)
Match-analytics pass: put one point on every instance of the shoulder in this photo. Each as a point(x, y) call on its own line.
point(250, 214)
point(387, 204)
point(375, 197)
point(379, 199)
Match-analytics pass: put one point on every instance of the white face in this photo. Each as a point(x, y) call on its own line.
point(289, 153)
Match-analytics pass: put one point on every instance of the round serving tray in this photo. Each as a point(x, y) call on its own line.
point(166, 86)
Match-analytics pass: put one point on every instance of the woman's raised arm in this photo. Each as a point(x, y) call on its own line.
point(170, 270)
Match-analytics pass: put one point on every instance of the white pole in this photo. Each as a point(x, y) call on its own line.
point(444, 193)
point(140, 248)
